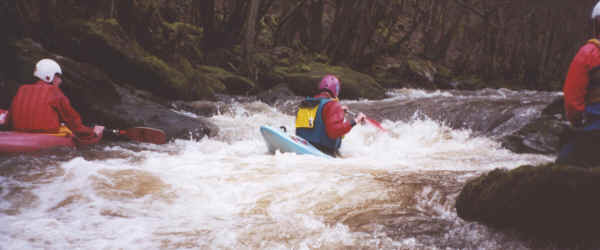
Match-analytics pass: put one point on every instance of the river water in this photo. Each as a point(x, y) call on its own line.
point(391, 190)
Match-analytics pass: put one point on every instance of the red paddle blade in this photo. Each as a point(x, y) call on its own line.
point(144, 134)
point(376, 124)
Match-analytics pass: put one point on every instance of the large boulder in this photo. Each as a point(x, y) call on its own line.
point(549, 202)
point(234, 84)
point(104, 43)
point(302, 72)
point(410, 72)
point(303, 79)
point(544, 135)
point(136, 108)
point(98, 99)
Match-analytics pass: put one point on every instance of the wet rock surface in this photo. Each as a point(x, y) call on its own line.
point(550, 202)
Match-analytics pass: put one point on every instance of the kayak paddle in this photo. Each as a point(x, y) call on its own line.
point(142, 134)
point(371, 121)
point(139, 134)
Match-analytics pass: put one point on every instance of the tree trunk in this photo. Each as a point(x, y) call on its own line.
point(125, 15)
point(353, 29)
point(111, 13)
point(341, 34)
point(315, 33)
point(203, 14)
point(234, 23)
point(48, 21)
point(250, 37)
point(250, 33)
point(292, 23)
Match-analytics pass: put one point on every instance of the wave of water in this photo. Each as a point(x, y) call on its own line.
point(389, 191)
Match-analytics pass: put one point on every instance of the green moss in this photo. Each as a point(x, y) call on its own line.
point(213, 70)
point(112, 34)
point(322, 58)
point(281, 70)
point(166, 73)
point(184, 26)
point(184, 65)
point(263, 60)
point(301, 67)
point(214, 84)
point(354, 84)
point(444, 72)
point(284, 61)
point(148, 4)
point(421, 67)
point(171, 75)
point(322, 68)
point(237, 49)
point(234, 84)
point(111, 21)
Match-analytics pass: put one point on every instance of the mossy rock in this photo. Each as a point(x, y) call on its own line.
point(104, 43)
point(223, 58)
point(552, 201)
point(171, 40)
point(234, 84)
point(467, 82)
point(403, 72)
point(422, 68)
point(303, 79)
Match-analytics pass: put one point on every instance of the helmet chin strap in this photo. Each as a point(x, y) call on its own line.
point(328, 92)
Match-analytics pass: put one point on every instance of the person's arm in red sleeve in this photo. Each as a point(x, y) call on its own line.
point(73, 120)
point(576, 83)
point(333, 117)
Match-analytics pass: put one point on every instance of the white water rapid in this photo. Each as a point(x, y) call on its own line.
point(389, 191)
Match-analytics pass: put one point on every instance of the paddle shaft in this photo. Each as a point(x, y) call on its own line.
point(371, 121)
point(141, 134)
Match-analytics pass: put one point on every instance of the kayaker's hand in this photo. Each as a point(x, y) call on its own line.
point(360, 118)
point(98, 130)
point(345, 108)
point(3, 116)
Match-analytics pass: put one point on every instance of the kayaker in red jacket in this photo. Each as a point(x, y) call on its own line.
point(320, 120)
point(577, 83)
point(582, 102)
point(42, 107)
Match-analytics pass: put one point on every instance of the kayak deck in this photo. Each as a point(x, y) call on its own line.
point(278, 140)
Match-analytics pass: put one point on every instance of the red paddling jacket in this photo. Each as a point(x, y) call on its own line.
point(576, 89)
point(41, 107)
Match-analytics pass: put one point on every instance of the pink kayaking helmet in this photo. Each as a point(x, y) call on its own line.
point(330, 83)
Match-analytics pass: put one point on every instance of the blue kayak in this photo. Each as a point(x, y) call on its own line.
point(277, 140)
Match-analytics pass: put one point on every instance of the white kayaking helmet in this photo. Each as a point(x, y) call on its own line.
point(596, 11)
point(596, 19)
point(46, 69)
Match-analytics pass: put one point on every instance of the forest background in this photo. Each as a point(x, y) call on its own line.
point(431, 44)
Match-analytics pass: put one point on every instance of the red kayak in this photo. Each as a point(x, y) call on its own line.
point(15, 142)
